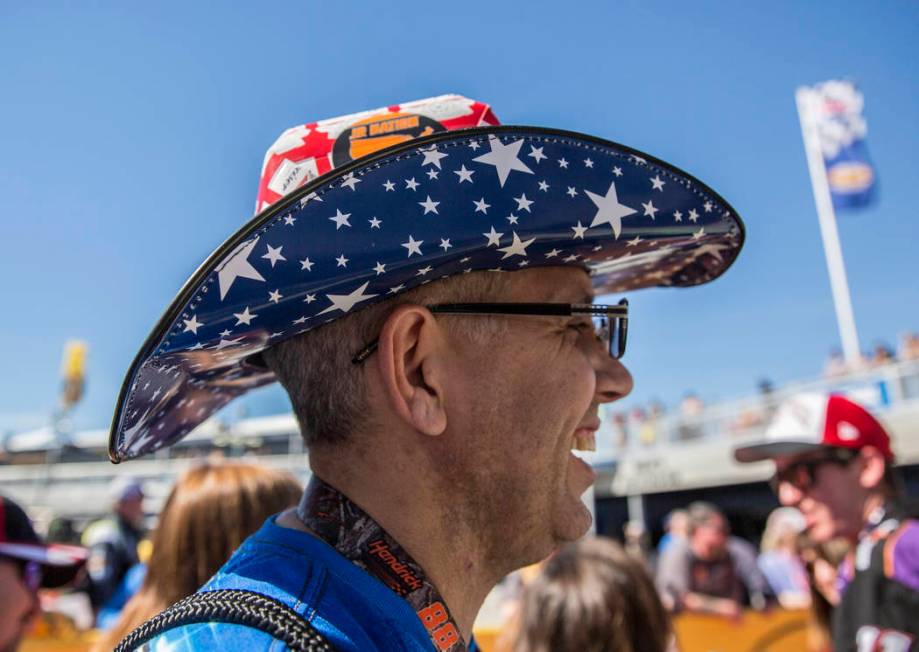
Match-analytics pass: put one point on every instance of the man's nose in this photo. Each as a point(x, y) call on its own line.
point(789, 495)
point(613, 380)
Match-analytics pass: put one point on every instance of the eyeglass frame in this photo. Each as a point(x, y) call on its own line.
point(617, 315)
point(830, 455)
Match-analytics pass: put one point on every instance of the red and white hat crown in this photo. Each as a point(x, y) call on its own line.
point(809, 421)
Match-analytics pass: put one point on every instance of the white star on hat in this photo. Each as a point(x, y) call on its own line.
point(244, 317)
point(504, 158)
point(481, 206)
point(340, 219)
point(411, 184)
point(389, 185)
point(192, 324)
point(536, 153)
point(274, 254)
point(494, 238)
point(609, 210)
point(579, 230)
point(350, 181)
point(341, 261)
point(517, 247)
point(464, 174)
point(650, 210)
point(306, 264)
point(413, 246)
point(432, 156)
point(274, 296)
point(379, 268)
point(429, 206)
point(345, 302)
point(237, 265)
point(523, 204)
point(657, 183)
point(710, 248)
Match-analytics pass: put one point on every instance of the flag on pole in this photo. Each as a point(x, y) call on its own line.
point(842, 129)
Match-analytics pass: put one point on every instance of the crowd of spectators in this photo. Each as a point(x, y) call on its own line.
point(644, 426)
point(883, 354)
point(594, 594)
point(127, 574)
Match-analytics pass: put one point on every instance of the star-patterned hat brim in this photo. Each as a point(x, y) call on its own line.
point(493, 198)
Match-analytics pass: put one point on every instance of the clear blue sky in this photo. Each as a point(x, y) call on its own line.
point(131, 140)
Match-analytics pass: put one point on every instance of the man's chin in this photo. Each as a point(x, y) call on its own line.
point(575, 524)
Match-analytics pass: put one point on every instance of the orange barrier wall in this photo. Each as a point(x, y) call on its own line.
point(773, 631)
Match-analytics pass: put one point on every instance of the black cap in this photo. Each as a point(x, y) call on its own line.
point(18, 540)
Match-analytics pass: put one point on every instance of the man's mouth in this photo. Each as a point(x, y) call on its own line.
point(585, 437)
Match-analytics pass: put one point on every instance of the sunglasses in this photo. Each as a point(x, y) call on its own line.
point(610, 323)
point(802, 474)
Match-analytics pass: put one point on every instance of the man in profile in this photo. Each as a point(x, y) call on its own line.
point(834, 463)
point(429, 311)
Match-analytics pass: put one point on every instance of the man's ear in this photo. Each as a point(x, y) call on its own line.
point(872, 467)
point(411, 364)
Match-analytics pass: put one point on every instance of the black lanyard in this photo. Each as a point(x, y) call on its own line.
point(356, 536)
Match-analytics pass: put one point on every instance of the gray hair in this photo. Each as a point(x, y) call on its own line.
point(327, 391)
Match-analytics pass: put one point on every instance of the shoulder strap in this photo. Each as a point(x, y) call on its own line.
point(235, 607)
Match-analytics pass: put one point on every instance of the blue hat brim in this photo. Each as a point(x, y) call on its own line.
point(568, 199)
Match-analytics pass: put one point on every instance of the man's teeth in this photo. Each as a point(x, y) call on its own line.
point(585, 442)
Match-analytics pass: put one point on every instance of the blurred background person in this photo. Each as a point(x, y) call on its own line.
point(691, 410)
point(592, 596)
point(780, 561)
point(821, 563)
point(835, 365)
point(112, 541)
point(637, 541)
point(209, 513)
point(26, 565)
point(711, 571)
point(882, 355)
point(676, 527)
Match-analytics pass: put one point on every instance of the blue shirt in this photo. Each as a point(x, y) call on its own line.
point(350, 608)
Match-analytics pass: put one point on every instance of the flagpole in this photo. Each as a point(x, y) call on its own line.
point(845, 318)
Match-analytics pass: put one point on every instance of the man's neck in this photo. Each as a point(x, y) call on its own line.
point(406, 506)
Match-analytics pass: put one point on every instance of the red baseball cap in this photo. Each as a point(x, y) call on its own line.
point(808, 422)
point(18, 540)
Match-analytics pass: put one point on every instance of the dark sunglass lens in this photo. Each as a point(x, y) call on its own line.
point(622, 333)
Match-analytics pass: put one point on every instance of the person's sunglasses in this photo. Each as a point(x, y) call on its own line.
point(610, 323)
point(802, 474)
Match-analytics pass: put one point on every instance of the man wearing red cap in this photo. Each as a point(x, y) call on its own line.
point(834, 463)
